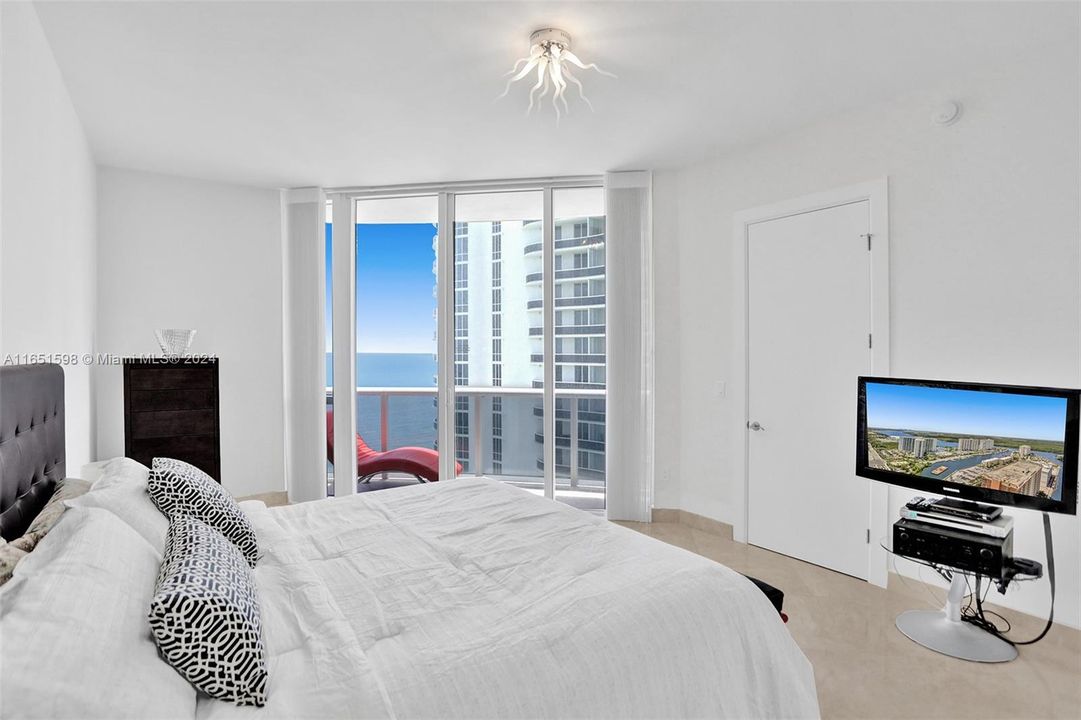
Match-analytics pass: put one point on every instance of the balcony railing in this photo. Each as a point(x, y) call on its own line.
point(587, 473)
point(568, 243)
point(571, 358)
point(564, 441)
point(582, 416)
point(571, 385)
point(568, 274)
point(565, 302)
point(570, 330)
point(478, 442)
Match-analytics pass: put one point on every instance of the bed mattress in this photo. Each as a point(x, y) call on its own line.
point(475, 599)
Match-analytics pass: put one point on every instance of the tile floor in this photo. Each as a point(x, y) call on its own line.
point(865, 668)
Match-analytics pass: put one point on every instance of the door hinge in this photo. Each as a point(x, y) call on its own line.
point(870, 341)
point(868, 236)
point(868, 536)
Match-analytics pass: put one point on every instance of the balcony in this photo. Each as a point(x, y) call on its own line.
point(571, 359)
point(583, 415)
point(376, 417)
point(563, 441)
point(585, 473)
point(568, 244)
point(570, 330)
point(570, 385)
point(569, 302)
point(568, 274)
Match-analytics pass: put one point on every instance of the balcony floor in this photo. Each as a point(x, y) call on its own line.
point(581, 499)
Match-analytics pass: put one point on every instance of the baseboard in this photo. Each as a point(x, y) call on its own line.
point(693, 520)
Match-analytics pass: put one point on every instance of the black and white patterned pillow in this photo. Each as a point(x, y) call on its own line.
point(178, 488)
point(204, 615)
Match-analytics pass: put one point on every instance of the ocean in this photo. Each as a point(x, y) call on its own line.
point(410, 419)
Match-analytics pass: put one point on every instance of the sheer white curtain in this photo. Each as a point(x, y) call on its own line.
point(303, 293)
point(629, 258)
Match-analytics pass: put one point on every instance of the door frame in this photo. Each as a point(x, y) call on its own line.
point(876, 193)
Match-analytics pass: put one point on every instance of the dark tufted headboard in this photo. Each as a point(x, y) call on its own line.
point(31, 442)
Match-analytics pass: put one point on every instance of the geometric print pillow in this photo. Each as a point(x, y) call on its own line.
point(204, 615)
point(178, 488)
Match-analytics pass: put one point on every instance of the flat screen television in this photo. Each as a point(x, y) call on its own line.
point(1000, 444)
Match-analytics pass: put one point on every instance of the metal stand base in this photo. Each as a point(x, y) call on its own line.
point(944, 632)
point(933, 630)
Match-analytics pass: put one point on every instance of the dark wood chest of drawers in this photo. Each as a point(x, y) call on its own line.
point(171, 410)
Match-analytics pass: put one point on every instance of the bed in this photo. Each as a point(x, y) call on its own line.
point(463, 599)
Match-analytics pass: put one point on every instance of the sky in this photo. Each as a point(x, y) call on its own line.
point(967, 412)
point(394, 288)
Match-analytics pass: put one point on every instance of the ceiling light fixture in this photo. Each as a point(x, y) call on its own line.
point(550, 54)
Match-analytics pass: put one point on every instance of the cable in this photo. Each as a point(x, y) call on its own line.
point(979, 618)
point(1050, 577)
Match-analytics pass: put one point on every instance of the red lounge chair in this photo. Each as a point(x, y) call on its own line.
point(421, 463)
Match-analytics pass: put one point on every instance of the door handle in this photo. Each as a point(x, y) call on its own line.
point(755, 425)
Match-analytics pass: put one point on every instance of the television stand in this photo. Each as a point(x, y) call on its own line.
point(945, 632)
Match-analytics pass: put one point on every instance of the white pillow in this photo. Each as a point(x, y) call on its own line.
point(121, 490)
point(251, 507)
point(76, 639)
point(92, 471)
point(121, 470)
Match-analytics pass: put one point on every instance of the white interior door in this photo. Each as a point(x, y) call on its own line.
point(809, 320)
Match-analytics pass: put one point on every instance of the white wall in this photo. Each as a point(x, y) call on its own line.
point(192, 254)
point(984, 223)
point(48, 229)
point(668, 327)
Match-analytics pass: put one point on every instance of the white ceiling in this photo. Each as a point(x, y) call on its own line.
point(286, 94)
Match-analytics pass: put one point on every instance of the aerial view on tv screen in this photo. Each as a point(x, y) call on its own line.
point(996, 441)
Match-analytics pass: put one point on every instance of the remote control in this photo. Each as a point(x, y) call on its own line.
point(916, 503)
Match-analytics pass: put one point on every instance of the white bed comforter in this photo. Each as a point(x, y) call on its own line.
point(474, 599)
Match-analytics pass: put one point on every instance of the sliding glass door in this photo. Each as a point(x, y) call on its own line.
point(498, 365)
point(519, 372)
point(579, 352)
point(396, 241)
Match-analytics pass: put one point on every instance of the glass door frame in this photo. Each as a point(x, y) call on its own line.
point(343, 251)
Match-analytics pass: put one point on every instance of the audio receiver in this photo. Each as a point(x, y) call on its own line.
point(971, 552)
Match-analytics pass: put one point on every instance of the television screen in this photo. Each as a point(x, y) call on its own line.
point(1002, 444)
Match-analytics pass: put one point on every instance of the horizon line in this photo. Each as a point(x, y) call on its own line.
point(977, 435)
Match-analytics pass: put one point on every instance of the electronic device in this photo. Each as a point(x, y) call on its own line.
point(974, 442)
point(1000, 526)
point(1024, 566)
point(956, 508)
point(965, 509)
point(971, 552)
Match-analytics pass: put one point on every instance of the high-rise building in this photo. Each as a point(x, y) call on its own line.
point(580, 353)
point(916, 446)
point(1024, 451)
point(499, 310)
point(967, 444)
point(1022, 477)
